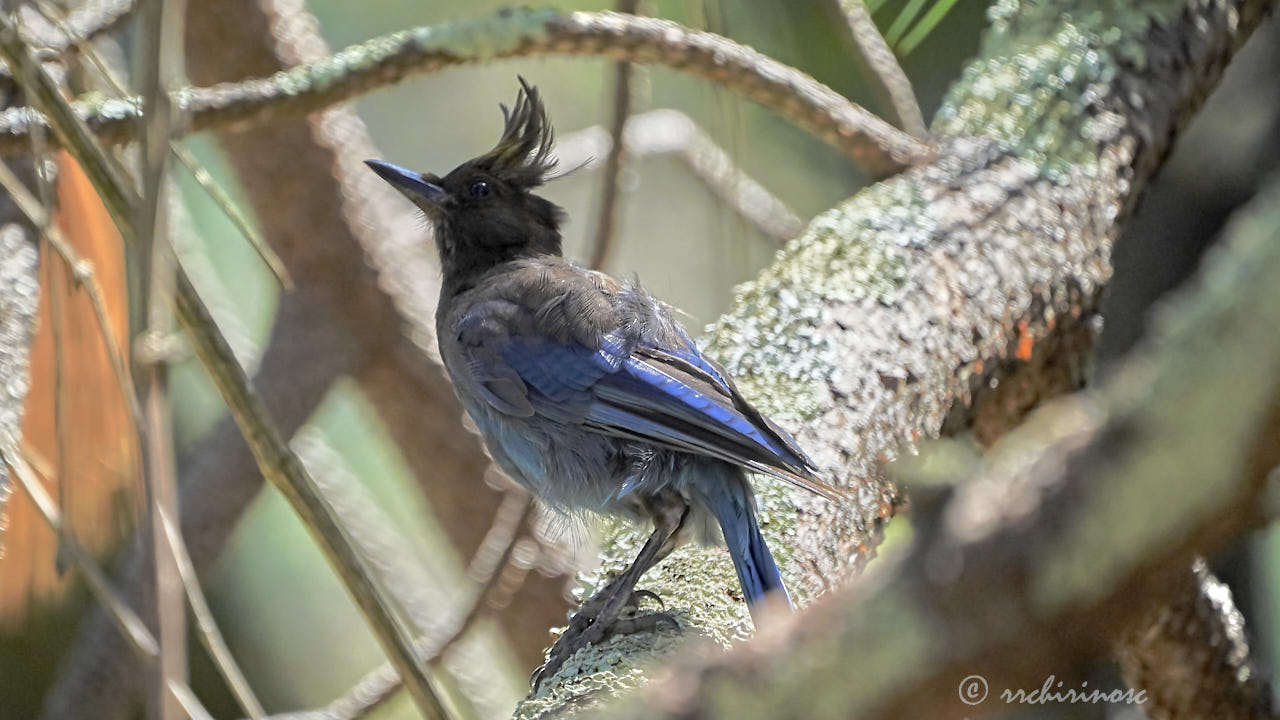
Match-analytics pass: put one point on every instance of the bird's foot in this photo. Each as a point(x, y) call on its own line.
point(649, 622)
point(610, 612)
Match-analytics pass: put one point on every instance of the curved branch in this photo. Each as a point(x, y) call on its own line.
point(876, 145)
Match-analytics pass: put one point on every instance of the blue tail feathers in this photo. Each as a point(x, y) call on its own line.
point(727, 495)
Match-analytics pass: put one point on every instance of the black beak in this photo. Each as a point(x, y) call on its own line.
point(409, 183)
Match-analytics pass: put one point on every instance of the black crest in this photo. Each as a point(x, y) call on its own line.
point(523, 153)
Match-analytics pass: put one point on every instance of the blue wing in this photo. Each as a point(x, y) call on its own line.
point(670, 397)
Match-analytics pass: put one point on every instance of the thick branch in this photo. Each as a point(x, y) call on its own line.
point(1082, 519)
point(873, 143)
point(893, 310)
point(1191, 656)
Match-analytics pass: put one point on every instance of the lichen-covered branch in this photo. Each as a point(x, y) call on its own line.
point(873, 143)
point(884, 323)
point(1082, 519)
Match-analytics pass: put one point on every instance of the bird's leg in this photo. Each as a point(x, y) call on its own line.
point(598, 618)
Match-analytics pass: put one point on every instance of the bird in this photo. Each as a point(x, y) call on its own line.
point(586, 389)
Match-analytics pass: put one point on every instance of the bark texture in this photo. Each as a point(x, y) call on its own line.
point(1065, 538)
point(926, 303)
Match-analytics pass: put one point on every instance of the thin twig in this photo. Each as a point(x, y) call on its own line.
point(210, 635)
point(229, 208)
point(282, 468)
point(498, 541)
point(884, 63)
point(607, 212)
point(216, 193)
point(159, 59)
point(876, 145)
point(188, 701)
point(665, 131)
point(486, 569)
point(276, 461)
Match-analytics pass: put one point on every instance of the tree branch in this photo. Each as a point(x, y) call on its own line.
point(160, 52)
point(607, 209)
point(885, 64)
point(202, 177)
point(873, 143)
point(1191, 656)
point(894, 310)
point(282, 467)
point(485, 570)
point(210, 635)
point(1058, 528)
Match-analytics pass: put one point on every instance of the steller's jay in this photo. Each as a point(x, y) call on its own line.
point(586, 389)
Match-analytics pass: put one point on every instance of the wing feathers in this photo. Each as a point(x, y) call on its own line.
point(673, 398)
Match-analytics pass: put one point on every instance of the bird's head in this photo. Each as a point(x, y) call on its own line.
point(484, 211)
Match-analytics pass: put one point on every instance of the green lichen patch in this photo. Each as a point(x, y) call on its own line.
point(475, 40)
point(485, 38)
point(770, 341)
point(1033, 96)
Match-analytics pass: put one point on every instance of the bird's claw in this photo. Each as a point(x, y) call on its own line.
point(592, 624)
point(638, 595)
point(649, 622)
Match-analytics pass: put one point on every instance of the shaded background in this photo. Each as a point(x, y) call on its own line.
point(286, 617)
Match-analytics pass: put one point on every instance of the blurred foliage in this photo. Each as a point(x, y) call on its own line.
point(287, 619)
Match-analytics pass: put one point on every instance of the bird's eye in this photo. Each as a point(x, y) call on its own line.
point(479, 189)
